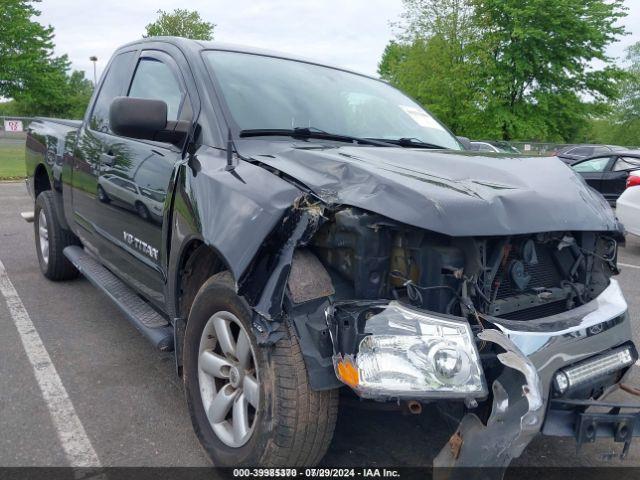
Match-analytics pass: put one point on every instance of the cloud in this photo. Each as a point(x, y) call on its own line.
point(348, 33)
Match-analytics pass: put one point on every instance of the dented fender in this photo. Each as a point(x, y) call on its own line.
point(252, 219)
point(231, 211)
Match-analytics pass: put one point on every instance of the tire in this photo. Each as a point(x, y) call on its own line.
point(142, 211)
point(52, 239)
point(102, 195)
point(292, 426)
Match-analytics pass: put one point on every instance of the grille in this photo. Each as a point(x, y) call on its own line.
point(544, 274)
point(539, 311)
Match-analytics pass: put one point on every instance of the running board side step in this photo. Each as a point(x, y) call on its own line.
point(146, 320)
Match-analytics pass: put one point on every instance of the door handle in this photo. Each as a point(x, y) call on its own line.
point(108, 159)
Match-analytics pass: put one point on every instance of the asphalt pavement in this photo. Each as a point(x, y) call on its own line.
point(130, 403)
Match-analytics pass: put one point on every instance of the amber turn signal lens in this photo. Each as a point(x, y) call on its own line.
point(347, 372)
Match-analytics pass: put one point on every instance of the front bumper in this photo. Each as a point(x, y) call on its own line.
point(615, 415)
point(534, 351)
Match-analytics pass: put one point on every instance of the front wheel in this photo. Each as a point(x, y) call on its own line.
point(250, 405)
point(143, 211)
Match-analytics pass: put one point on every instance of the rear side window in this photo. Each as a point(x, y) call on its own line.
point(626, 163)
point(112, 87)
point(154, 80)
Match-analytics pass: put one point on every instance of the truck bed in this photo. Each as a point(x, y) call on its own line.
point(47, 139)
point(62, 121)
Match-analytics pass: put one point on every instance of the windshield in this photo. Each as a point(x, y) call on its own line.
point(272, 93)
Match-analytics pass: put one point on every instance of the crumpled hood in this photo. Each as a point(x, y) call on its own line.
point(454, 193)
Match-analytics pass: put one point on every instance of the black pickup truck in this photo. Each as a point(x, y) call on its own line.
point(296, 231)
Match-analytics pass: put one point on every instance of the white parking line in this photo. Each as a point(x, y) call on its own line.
point(628, 265)
point(74, 440)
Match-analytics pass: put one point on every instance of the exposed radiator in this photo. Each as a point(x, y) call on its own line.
point(543, 274)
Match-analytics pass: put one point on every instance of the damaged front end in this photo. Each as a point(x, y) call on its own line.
point(491, 324)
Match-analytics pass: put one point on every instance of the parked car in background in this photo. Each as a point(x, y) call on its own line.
point(125, 193)
point(628, 205)
point(493, 146)
point(574, 153)
point(608, 174)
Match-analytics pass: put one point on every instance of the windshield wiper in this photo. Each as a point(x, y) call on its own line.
point(411, 143)
point(311, 132)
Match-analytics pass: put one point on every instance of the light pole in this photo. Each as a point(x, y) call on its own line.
point(94, 59)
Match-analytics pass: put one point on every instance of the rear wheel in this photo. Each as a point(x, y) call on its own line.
point(102, 195)
point(52, 239)
point(250, 405)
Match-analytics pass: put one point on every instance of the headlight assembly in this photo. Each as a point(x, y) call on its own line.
point(414, 354)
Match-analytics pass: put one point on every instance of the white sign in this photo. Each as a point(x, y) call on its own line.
point(13, 125)
point(527, 147)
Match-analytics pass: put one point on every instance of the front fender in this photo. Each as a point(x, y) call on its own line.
point(231, 211)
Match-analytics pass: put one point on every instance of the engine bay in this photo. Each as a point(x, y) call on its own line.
point(521, 277)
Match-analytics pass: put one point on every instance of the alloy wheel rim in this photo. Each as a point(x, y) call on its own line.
point(228, 379)
point(43, 233)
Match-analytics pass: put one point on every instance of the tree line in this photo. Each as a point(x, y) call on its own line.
point(38, 83)
point(514, 70)
point(489, 69)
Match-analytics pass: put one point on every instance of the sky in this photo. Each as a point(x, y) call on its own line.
point(347, 33)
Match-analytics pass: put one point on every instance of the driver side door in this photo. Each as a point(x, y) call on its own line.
point(131, 228)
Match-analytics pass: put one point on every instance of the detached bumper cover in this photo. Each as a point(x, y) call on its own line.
point(536, 349)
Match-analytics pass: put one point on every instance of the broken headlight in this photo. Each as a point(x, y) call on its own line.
point(409, 353)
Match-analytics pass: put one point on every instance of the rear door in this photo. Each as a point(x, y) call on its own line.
point(131, 230)
point(593, 170)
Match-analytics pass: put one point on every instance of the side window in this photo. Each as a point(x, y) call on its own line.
point(595, 165)
point(154, 80)
point(131, 187)
point(117, 181)
point(113, 86)
point(626, 163)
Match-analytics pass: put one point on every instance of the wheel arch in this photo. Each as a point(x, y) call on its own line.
point(198, 262)
point(195, 263)
point(42, 183)
point(41, 180)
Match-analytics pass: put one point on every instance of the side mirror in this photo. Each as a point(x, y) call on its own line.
point(466, 142)
point(145, 119)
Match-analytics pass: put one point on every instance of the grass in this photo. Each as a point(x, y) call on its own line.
point(12, 162)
